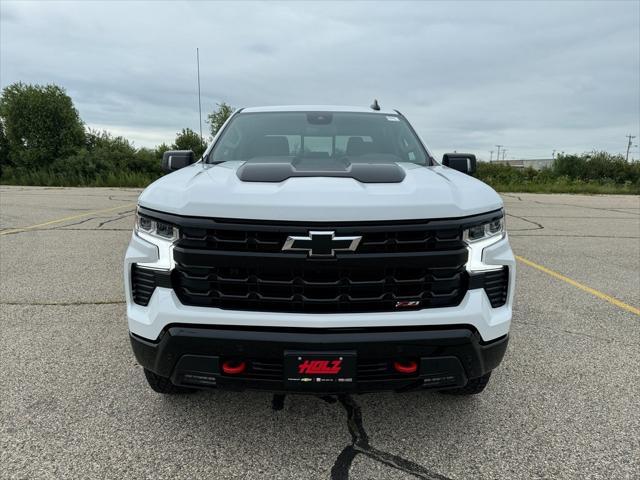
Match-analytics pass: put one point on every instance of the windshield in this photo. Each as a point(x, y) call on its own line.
point(288, 136)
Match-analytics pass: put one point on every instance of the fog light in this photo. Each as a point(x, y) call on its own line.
point(233, 367)
point(406, 366)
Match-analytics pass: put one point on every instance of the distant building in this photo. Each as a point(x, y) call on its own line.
point(535, 163)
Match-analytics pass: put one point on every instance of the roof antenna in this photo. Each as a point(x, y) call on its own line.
point(375, 106)
point(199, 101)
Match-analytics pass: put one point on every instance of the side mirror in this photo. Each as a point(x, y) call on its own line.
point(173, 160)
point(463, 162)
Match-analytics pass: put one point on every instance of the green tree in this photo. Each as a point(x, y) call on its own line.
point(40, 124)
point(596, 166)
point(187, 139)
point(217, 118)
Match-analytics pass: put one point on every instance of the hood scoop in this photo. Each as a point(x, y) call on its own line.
point(274, 171)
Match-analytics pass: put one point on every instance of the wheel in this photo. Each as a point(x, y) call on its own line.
point(473, 386)
point(163, 384)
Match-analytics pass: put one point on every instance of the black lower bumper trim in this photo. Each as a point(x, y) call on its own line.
point(192, 355)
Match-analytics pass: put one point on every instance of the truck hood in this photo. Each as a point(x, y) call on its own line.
point(216, 191)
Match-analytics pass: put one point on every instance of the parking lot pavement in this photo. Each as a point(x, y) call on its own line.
point(564, 403)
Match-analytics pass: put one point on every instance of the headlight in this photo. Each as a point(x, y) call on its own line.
point(478, 237)
point(161, 234)
point(484, 230)
point(155, 228)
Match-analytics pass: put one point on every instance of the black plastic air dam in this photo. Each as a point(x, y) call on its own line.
point(191, 355)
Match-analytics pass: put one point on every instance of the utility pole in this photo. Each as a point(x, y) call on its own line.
point(498, 155)
point(553, 155)
point(491, 157)
point(630, 137)
point(504, 152)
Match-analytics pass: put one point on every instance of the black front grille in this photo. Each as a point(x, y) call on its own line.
point(297, 284)
point(267, 239)
point(496, 285)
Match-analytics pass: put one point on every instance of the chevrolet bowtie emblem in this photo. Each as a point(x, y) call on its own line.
point(322, 244)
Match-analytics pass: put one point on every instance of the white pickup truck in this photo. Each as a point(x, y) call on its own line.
point(319, 249)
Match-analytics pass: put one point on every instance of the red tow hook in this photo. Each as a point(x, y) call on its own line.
point(406, 366)
point(233, 367)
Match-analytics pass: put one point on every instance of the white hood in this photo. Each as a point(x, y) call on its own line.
point(216, 191)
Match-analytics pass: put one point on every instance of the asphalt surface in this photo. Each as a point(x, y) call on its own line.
point(74, 404)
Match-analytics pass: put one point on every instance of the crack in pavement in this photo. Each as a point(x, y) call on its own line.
point(539, 226)
point(67, 192)
point(90, 230)
point(512, 196)
point(360, 443)
point(66, 209)
point(99, 227)
point(127, 199)
point(568, 235)
point(575, 206)
point(66, 304)
point(62, 228)
point(124, 215)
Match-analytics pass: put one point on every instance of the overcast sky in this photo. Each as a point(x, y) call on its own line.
point(533, 76)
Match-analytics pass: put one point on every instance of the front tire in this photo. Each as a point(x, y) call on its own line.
point(163, 384)
point(473, 386)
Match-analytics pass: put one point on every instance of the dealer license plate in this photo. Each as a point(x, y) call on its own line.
point(320, 370)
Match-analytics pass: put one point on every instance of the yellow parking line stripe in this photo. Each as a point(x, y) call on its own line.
point(65, 219)
point(592, 291)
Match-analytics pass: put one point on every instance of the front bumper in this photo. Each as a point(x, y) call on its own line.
point(192, 356)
